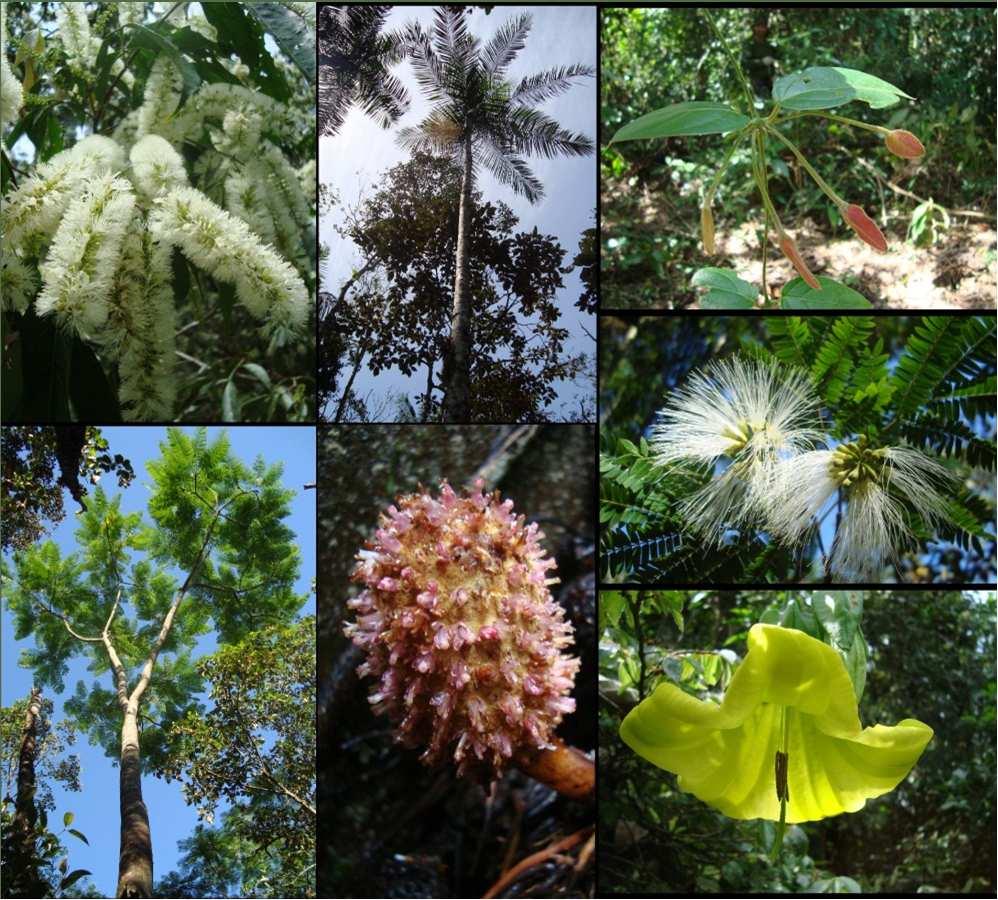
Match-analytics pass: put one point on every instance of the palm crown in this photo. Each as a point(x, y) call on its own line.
point(354, 59)
point(473, 101)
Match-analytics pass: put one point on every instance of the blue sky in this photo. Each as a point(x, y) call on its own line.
point(96, 806)
point(352, 162)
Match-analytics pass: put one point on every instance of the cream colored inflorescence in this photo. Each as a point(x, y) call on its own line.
point(103, 216)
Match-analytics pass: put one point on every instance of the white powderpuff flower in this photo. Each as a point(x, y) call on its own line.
point(74, 32)
point(18, 283)
point(749, 413)
point(306, 178)
point(78, 273)
point(225, 247)
point(140, 331)
point(874, 481)
point(244, 199)
point(156, 167)
point(160, 98)
point(130, 13)
point(31, 213)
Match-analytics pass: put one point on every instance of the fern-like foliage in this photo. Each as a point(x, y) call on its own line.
point(934, 389)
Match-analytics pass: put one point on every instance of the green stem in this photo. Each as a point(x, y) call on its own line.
point(774, 853)
point(734, 62)
point(825, 187)
point(760, 179)
point(709, 195)
point(855, 123)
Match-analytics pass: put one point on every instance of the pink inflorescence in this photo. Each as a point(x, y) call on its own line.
point(461, 631)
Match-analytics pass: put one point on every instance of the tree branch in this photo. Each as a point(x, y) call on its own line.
point(65, 621)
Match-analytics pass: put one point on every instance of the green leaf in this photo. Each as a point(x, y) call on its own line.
point(90, 392)
point(67, 819)
point(824, 87)
point(855, 660)
point(230, 402)
point(291, 33)
point(241, 34)
point(841, 884)
point(839, 613)
point(73, 877)
point(79, 835)
point(260, 373)
point(696, 117)
point(797, 294)
point(725, 289)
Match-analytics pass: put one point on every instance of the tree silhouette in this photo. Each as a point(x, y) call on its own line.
point(480, 118)
point(354, 62)
point(389, 312)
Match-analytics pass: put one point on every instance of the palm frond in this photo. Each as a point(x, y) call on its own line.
point(534, 133)
point(509, 169)
point(552, 83)
point(509, 40)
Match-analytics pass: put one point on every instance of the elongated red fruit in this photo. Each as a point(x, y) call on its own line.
point(904, 144)
point(789, 248)
point(865, 227)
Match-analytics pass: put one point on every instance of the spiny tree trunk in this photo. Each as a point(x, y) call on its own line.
point(135, 856)
point(457, 403)
point(21, 878)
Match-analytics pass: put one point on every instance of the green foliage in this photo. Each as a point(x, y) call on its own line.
point(929, 382)
point(931, 655)
point(653, 58)
point(217, 521)
point(255, 750)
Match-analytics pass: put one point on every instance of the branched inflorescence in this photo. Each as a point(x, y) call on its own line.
point(461, 632)
point(102, 217)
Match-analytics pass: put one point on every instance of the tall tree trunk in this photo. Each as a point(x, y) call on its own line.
point(135, 856)
point(21, 878)
point(457, 403)
point(424, 415)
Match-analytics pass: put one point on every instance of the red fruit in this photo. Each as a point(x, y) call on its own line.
point(865, 227)
point(904, 144)
point(789, 248)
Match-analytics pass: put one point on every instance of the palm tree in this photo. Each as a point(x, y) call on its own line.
point(480, 118)
point(354, 62)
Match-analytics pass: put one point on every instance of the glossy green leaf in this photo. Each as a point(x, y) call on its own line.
point(73, 877)
point(695, 117)
point(841, 884)
point(825, 87)
point(724, 753)
point(67, 819)
point(290, 32)
point(725, 290)
point(833, 295)
point(230, 402)
point(79, 835)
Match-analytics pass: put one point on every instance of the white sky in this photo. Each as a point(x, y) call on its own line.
point(353, 161)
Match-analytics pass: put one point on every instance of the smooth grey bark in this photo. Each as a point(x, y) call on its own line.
point(135, 855)
point(458, 400)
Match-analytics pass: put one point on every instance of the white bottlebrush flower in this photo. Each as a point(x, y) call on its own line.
point(213, 101)
point(306, 178)
point(244, 198)
point(239, 135)
point(225, 247)
point(140, 330)
point(131, 13)
point(18, 283)
point(11, 95)
point(74, 32)
point(749, 413)
point(78, 273)
point(160, 99)
point(156, 167)
point(31, 213)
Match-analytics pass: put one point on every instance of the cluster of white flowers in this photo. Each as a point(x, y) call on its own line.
point(104, 216)
point(11, 94)
point(761, 422)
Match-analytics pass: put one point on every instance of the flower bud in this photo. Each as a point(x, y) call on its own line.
point(865, 227)
point(707, 229)
point(790, 251)
point(904, 144)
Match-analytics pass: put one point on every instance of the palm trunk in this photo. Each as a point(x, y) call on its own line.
point(135, 856)
point(457, 402)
